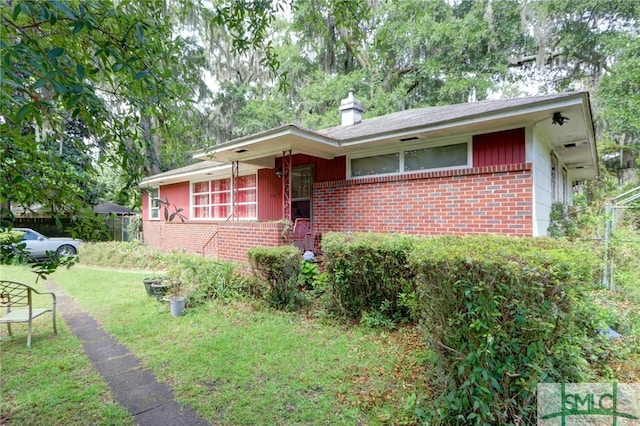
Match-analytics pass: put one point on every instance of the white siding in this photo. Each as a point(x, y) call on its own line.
point(543, 193)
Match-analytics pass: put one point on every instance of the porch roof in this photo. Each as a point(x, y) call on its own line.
point(573, 141)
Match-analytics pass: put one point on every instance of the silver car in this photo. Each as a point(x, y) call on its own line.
point(38, 245)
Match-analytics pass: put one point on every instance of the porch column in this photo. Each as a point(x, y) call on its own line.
point(286, 185)
point(234, 191)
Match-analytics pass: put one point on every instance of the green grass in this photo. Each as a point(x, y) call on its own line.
point(52, 382)
point(238, 364)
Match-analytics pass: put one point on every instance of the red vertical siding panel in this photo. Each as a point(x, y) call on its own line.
point(177, 195)
point(269, 195)
point(145, 206)
point(331, 170)
point(499, 148)
point(324, 170)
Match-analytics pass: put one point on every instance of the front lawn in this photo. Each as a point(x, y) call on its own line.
point(233, 363)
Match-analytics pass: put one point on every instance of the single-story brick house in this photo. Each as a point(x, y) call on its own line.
point(493, 166)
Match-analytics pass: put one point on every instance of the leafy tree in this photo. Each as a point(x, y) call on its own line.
point(619, 98)
point(120, 69)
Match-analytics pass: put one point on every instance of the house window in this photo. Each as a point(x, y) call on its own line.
point(376, 165)
point(301, 192)
point(436, 157)
point(154, 203)
point(411, 160)
point(247, 197)
point(213, 199)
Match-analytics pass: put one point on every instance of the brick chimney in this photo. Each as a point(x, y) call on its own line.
point(351, 110)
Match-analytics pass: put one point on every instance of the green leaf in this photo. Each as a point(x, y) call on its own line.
point(139, 33)
point(80, 71)
point(40, 83)
point(20, 115)
point(141, 74)
point(64, 9)
point(78, 27)
point(54, 53)
point(16, 11)
point(117, 66)
point(59, 87)
point(73, 101)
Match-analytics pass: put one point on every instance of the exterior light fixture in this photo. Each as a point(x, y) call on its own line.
point(279, 173)
point(558, 119)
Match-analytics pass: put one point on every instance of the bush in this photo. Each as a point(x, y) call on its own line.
point(133, 255)
point(208, 279)
point(278, 268)
point(503, 315)
point(366, 271)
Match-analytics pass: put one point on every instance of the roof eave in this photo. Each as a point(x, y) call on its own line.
point(259, 145)
point(166, 179)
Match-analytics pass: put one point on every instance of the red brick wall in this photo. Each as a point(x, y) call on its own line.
point(235, 238)
point(226, 240)
point(492, 199)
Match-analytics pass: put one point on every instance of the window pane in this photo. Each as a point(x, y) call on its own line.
point(247, 181)
point(248, 196)
point(29, 236)
point(221, 212)
point(221, 185)
point(220, 198)
point(377, 165)
point(301, 183)
point(201, 200)
point(154, 203)
point(201, 187)
point(201, 212)
point(247, 211)
point(435, 158)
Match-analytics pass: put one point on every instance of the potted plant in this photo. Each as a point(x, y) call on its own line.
point(156, 285)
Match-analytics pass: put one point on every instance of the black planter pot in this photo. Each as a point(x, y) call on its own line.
point(158, 286)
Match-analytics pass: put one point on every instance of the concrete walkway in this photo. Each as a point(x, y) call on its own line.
point(134, 387)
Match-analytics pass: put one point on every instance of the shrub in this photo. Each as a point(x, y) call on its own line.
point(209, 279)
point(309, 271)
point(279, 269)
point(502, 316)
point(123, 255)
point(367, 270)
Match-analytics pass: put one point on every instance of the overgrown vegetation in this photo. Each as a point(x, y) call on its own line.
point(498, 314)
point(502, 315)
point(369, 273)
point(278, 268)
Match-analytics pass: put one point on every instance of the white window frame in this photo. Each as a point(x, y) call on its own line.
point(209, 206)
point(412, 147)
point(154, 203)
point(554, 174)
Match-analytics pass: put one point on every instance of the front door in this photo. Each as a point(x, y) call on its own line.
point(301, 192)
